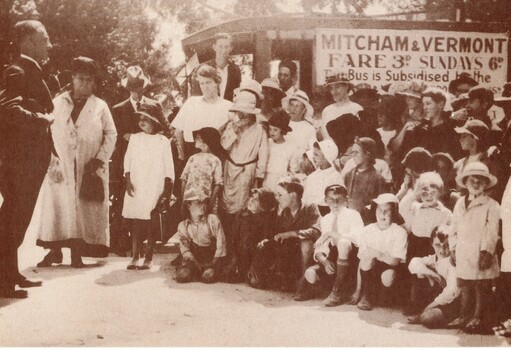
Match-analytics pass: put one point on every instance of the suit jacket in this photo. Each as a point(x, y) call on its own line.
point(126, 122)
point(233, 81)
point(26, 139)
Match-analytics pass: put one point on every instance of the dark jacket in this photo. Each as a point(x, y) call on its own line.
point(26, 141)
point(233, 80)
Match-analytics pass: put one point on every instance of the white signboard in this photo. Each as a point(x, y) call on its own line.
point(383, 56)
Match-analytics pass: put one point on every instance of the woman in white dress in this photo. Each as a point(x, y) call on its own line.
point(84, 136)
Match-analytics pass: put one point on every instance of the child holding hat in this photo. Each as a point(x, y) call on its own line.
point(149, 173)
point(473, 240)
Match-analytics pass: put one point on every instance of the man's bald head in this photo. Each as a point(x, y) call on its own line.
point(32, 40)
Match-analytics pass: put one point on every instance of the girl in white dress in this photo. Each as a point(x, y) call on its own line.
point(149, 172)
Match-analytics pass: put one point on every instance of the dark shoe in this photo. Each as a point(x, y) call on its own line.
point(132, 265)
point(305, 291)
point(29, 284)
point(53, 257)
point(146, 265)
point(13, 294)
point(335, 298)
point(76, 259)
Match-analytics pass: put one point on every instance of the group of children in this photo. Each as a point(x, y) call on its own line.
point(314, 229)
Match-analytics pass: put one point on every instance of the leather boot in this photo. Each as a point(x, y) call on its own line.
point(305, 291)
point(338, 295)
point(367, 290)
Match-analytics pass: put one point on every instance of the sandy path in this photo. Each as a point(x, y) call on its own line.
point(107, 305)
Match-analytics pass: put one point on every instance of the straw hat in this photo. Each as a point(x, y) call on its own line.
point(250, 85)
point(386, 198)
point(338, 78)
point(329, 149)
point(194, 194)
point(476, 169)
point(302, 97)
point(245, 102)
point(474, 127)
point(415, 89)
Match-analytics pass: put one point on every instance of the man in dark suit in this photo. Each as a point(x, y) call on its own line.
point(25, 121)
point(230, 72)
point(126, 123)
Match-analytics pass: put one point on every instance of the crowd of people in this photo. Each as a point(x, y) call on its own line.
point(394, 197)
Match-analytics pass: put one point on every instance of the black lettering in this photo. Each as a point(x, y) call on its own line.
point(451, 45)
point(465, 44)
point(401, 43)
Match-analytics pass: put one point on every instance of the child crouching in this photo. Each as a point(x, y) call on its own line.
point(332, 249)
point(382, 247)
point(435, 291)
point(202, 241)
point(252, 225)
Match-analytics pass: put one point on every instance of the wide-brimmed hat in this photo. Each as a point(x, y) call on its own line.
point(364, 94)
point(459, 102)
point(415, 89)
point(274, 87)
point(245, 102)
point(386, 198)
point(329, 149)
point(418, 159)
point(85, 65)
point(250, 85)
point(474, 127)
point(280, 119)
point(194, 194)
point(152, 111)
point(211, 137)
point(443, 156)
point(463, 78)
point(338, 78)
point(302, 97)
point(135, 79)
point(476, 169)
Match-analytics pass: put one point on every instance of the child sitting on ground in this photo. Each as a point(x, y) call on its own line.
point(382, 247)
point(332, 250)
point(252, 225)
point(427, 212)
point(473, 241)
point(149, 172)
point(202, 241)
point(434, 289)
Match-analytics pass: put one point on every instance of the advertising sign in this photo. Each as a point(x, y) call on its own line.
point(384, 56)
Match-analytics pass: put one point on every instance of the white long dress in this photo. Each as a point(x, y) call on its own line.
point(62, 214)
point(148, 159)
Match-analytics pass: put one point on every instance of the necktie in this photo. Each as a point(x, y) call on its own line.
point(138, 105)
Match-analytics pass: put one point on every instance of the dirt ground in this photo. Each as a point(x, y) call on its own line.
point(107, 305)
